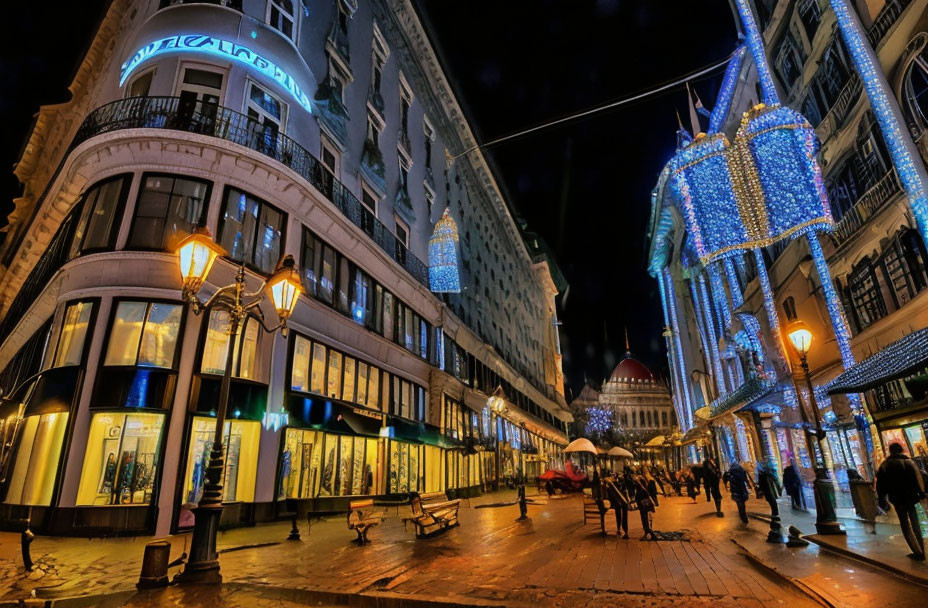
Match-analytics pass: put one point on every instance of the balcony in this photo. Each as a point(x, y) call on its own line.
point(216, 121)
point(233, 4)
point(866, 207)
point(841, 108)
point(885, 20)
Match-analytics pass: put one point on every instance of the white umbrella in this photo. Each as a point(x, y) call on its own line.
point(581, 445)
point(620, 452)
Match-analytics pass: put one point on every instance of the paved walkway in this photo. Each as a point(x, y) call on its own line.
point(491, 559)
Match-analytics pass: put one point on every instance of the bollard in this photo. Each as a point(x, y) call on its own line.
point(155, 565)
point(795, 539)
point(25, 540)
point(294, 528)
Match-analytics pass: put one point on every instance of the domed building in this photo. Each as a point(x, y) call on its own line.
point(639, 402)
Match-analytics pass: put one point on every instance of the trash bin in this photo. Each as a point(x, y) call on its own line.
point(864, 501)
point(155, 565)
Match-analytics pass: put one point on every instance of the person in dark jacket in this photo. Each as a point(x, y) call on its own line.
point(769, 486)
point(645, 507)
point(738, 486)
point(899, 480)
point(792, 483)
point(711, 476)
point(619, 500)
point(651, 483)
point(692, 487)
point(599, 494)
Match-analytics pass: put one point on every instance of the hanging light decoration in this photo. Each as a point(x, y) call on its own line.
point(443, 256)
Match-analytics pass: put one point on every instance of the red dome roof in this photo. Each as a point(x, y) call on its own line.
point(630, 369)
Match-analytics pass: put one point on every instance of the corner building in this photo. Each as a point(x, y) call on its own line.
point(320, 129)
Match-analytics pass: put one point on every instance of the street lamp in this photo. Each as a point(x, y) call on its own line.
point(826, 519)
point(196, 254)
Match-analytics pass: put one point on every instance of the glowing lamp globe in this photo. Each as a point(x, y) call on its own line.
point(285, 287)
point(800, 337)
point(195, 255)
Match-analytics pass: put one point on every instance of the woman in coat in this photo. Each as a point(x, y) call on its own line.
point(738, 485)
point(645, 507)
point(792, 483)
point(691, 489)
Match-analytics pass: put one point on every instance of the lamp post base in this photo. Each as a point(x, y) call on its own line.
point(826, 518)
point(775, 535)
point(203, 565)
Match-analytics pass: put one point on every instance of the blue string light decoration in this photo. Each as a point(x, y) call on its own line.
point(677, 368)
point(734, 286)
point(719, 297)
point(675, 329)
point(704, 304)
point(727, 92)
point(901, 148)
point(756, 45)
point(599, 421)
point(443, 256)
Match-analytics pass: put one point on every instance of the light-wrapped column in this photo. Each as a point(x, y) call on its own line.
point(719, 298)
point(668, 294)
point(727, 92)
point(756, 46)
point(713, 335)
point(734, 286)
point(706, 337)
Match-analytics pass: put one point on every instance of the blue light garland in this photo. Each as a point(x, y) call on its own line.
point(676, 360)
point(599, 421)
point(443, 257)
point(719, 298)
point(727, 92)
point(714, 337)
point(901, 148)
point(756, 45)
point(734, 286)
point(675, 328)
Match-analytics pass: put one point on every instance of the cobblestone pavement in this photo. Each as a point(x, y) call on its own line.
point(552, 559)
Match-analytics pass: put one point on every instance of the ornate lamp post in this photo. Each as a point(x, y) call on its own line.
point(196, 254)
point(826, 519)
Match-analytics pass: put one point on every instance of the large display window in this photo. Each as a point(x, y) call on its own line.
point(122, 459)
point(349, 465)
point(433, 466)
point(240, 440)
point(404, 467)
point(300, 464)
point(36, 467)
point(144, 334)
point(317, 369)
point(216, 346)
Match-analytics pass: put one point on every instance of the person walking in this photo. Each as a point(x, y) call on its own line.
point(711, 476)
point(645, 507)
point(738, 486)
point(651, 483)
point(598, 495)
point(899, 480)
point(768, 484)
point(793, 485)
point(619, 500)
point(692, 490)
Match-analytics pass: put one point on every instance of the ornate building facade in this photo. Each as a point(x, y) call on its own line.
point(319, 129)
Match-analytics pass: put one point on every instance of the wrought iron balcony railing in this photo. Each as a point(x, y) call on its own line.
point(216, 121)
point(233, 4)
point(866, 207)
point(840, 109)
point(885, 20)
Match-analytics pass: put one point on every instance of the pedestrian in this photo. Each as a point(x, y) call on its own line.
point(711, 476)
point(793, 485)
point(651, 483)
point(900, 480)
point(598, 496)
point(768, 484)
point(619, 500)
point(751, 469)
point(658, 478)
point(645, 507)
point(692, 489)
point(738, 486)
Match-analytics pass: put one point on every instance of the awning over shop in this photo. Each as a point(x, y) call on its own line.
point(751, 390)
point(418, 432)
point(332, 416)
point(897, 360)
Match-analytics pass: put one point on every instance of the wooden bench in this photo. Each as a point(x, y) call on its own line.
point(432, 512)
point(362, 517)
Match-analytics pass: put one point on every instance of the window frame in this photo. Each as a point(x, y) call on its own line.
point(207, 198)
point(114, 308)
point(293, 18)
point(76, 249)
point(52, 353)
point(250, 264)
point(258, 370)
point(326, 145)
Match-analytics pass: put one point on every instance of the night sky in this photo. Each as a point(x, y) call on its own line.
point(583, 186)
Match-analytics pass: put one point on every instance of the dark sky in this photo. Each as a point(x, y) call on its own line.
point(583, 186)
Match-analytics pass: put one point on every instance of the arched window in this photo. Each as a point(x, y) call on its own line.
point(914, 86)
point(443, 256)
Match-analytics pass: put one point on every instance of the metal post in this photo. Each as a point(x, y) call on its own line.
point(826, 519)
point(203, 566)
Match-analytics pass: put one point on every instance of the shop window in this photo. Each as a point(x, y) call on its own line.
point(75, 324)
point(122, 458)
point(100, 216)
point(404, 467)
point(299, 369)
point(318, 371)
point(348, 380)
point(349, 465)
point(37, 459)
point(300, 464)
point(373, 389)
point(216, 345)
point(280, 16)
point(333, 384)
point(168, 209)
point(251, 230)
point(240, 440)
point(144, 334)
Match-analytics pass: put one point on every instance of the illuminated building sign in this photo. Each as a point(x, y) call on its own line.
point(201, 43)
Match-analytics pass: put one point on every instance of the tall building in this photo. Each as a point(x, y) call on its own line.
point(728, 360)
point(321, 129)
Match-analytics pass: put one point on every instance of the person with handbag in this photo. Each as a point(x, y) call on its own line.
point(711, 476)
point(621, 503)
point(645, 507)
